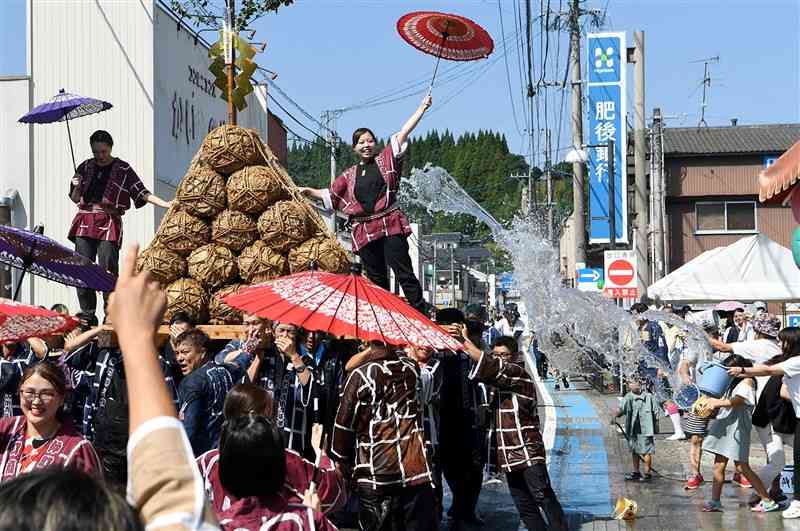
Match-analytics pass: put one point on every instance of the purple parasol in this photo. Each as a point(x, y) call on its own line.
point(64, 107)
point(42, 256)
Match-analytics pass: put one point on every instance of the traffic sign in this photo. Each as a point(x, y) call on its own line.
point(620, 275)
point(793, 320)
point(589, 279)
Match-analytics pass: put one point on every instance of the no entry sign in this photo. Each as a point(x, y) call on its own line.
point(620, 275)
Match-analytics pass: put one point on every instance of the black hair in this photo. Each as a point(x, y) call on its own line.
point(64, 498)
point(735, 360)
point(506, 341)
point(252, 461)
point(246, 399)
point(790, 345)
point(102, 137)
point(448, 316)
point(181, 317)
point(639, 307)
point(194, 337)
point(360, 131)
point(59, 308)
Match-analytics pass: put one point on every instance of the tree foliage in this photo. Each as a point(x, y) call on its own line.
point(210, 13)
point(481, 163)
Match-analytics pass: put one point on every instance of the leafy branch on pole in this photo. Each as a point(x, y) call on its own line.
point(210, 13)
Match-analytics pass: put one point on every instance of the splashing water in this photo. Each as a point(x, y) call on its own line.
point(581, 332)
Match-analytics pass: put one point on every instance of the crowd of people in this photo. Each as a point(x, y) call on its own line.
point(763, 395)
point(281, 429)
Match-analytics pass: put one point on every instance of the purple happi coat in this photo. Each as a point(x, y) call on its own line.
point(388, 219)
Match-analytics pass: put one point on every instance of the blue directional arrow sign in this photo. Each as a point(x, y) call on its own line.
point(793, 320)
point(587, 279)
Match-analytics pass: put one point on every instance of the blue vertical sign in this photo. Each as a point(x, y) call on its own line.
point(607, 63)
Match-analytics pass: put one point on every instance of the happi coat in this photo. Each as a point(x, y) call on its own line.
point(103, 220)
point(299, 475)
point(514, 425)
point(291, 400)
point(387, 219)
point(68, 449)
point(273, 514)
point(378, 427)
point(11, 370)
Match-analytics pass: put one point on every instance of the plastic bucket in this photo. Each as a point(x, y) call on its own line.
point(713, 379)
point(707, 319)
point(787, 479)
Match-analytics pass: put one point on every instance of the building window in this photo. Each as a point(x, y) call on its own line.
point(734, 217)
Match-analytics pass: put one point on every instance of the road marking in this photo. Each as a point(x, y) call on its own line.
point(549, 431)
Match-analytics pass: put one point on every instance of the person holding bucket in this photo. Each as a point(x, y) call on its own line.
point(789, 370)
point(729, 436)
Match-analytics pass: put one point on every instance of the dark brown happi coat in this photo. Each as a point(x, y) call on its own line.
point(378, 427)
point(514, 430)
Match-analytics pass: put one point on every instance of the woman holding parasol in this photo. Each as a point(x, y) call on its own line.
point(367, 193)
point(103, 188)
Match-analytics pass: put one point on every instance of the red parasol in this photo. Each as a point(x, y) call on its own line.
point(342, 305)
point(19, 321)
point(446, 36)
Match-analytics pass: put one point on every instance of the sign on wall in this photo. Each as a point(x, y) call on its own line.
point(607, 64)
point(620, 275)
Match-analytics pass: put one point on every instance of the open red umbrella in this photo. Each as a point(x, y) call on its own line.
point(342, 305)
point(446, 36)
point(19, 321)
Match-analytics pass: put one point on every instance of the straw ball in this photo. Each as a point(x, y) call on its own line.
point(163, 264)
point(229, 148)
point(202, 191)
point(182, 232)
point(284, 225)
point(235, 230)
point(259, 263)
point(187, 295)
point(328, 254)
point(213, 265)
point(219, 312)
point(254, 188)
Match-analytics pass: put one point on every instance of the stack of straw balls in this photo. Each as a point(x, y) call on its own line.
point(237, 219)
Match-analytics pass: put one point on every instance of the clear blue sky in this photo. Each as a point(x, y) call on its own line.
point(334, 53)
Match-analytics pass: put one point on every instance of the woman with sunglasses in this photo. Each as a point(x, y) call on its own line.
point(40, 438)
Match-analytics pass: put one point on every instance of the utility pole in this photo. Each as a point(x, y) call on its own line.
point(230, 55)
point(548, 174)
point(577, 133)
point(639, 160)
point(657, 212)
point(435, 286)
point(453, 276)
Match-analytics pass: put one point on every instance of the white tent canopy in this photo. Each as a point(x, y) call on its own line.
point(753, 268)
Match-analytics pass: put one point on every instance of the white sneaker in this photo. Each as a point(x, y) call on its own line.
point(793, 511)
point(679, 436)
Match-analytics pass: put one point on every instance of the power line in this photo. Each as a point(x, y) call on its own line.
point(508, 73)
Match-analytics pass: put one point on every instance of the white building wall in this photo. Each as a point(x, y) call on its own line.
point(187, 104)
point(102, 49)
point(15, 170)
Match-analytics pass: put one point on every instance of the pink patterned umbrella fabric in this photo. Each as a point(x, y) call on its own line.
point(342, 305)
point(729, 306)
point(19, 321)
